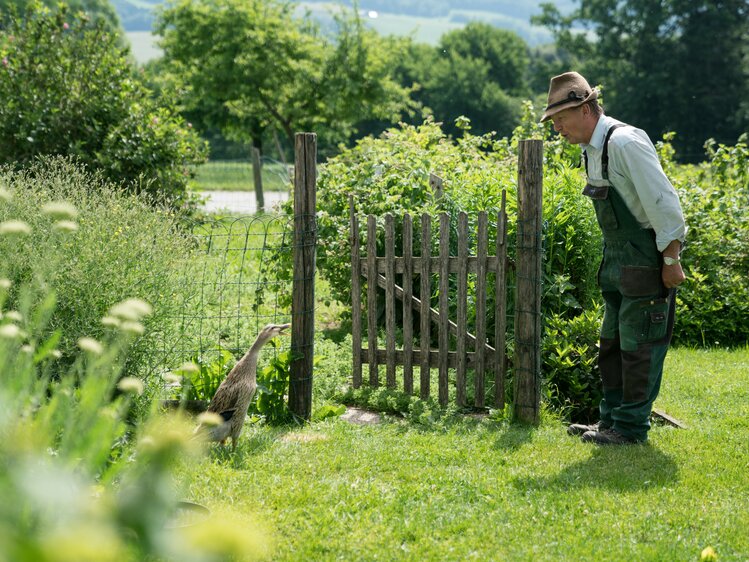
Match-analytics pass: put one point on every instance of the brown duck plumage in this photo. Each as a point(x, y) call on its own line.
point(233, 397)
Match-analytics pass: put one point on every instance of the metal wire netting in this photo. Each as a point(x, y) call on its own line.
point(237, 280)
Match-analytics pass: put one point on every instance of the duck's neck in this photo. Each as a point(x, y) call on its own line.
point(247, 365)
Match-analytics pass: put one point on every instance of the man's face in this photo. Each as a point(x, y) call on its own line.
point(572, 125)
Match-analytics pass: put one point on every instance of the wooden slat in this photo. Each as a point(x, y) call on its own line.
point(408, 332)
point(462, 312)
point(444, 307)
point(355, 295)
point(454, 264)
point(500, 308)
point(372, 300)
point(390, 300)
point(434, 315)
point(481, 254)
point(426, 289)
point(433, 358)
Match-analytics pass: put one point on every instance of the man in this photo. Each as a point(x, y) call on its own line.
point(643, 230)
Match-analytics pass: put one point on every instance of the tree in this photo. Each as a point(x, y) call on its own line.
point(251, 65)
point(68, 89)
point(479, 72)
point(667, 65)
point(98, 10)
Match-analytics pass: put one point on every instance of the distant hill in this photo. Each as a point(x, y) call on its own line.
point(425, 20)
point(137, 15)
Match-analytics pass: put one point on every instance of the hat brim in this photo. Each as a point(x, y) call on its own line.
point(551, 111)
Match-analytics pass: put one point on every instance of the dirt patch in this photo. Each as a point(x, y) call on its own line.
point(361, 417)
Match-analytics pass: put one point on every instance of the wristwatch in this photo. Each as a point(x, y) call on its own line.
point(670, 261)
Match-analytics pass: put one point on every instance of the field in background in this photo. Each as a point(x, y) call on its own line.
point(228, 175)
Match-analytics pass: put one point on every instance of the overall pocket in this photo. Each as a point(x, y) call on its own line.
point(654, 320)
point(641, 281)
point(602, 205)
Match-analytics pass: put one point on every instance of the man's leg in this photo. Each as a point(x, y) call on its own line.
point(610, 359)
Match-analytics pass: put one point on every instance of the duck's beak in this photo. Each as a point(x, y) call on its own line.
point(282, 329)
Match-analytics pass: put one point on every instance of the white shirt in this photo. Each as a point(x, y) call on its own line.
point(637, 175)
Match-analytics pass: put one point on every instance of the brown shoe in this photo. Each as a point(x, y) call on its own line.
point(579, 428)
point(607, 436)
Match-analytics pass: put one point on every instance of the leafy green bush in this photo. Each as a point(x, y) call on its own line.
point(121, 246)
point(68, 89)
point(714, 301)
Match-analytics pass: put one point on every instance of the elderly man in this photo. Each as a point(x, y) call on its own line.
point(643, 230)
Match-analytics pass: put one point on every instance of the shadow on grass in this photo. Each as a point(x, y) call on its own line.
point(249, 446)
point(513, 436)
point(622, 468)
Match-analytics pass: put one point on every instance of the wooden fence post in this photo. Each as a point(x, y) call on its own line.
point(303, 289)
point(257, 176)
point(527, 376)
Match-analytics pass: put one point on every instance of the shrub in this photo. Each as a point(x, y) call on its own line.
point(714, 301)
point(122, 247)
point(68, 89)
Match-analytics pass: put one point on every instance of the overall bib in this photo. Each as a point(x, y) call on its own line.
point(638, 315)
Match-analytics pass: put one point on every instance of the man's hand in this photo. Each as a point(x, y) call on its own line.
point(672, 275)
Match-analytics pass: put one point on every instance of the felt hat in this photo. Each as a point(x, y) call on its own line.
point(565, 91)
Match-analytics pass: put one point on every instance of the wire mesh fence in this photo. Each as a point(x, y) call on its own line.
point(237, 281)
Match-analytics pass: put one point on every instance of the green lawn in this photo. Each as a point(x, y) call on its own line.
point(486, 490)
point(227, 175)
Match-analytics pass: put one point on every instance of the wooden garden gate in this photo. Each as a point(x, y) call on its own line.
point(471, 351)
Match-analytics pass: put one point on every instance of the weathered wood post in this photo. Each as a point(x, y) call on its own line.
point(527, 376)
point(303, 288)
point(257, 176)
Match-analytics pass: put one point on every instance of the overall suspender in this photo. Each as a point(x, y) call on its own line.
point(605, 155)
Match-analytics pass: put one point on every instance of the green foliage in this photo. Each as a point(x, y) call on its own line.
point(98, 10)
point(68, 89)
point(273, 388)
point(203, 382)
point(121, 247)
point(570, 364)
point(714, 301)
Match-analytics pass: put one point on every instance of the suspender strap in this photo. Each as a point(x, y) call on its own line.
point(605, 155)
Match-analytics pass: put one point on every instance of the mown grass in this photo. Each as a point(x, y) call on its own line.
point(227, 175)
point(467, 489)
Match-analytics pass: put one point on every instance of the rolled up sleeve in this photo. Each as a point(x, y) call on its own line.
point(658, 198)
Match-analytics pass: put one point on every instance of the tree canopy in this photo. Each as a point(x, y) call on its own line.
point(251, 65)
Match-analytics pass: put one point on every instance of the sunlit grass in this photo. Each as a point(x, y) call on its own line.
point(485, 490)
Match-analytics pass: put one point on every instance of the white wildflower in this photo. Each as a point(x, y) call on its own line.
point(90, 345)
point(14, 315)
point(132, 327)
point(56, 353)
point(27, 348)
point(14, 227)
point(4, 194)
point(65, 226)
point(210, 419)
point(10, 332)
point(111, 321)
point(131, 309)
point(60, 210)
point(172, 379)
point(188, 368)
point(131, 385)
point(5, 284)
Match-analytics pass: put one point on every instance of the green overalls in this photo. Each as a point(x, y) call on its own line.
point(639, 311)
